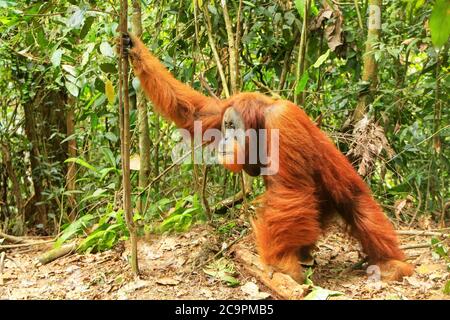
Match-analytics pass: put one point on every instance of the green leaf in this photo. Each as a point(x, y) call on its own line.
point(230, 280)
point(7, 3)
point(319, 293)
point(69, 138)
point(314, 9)
point(56, 57)
point(250, 4)
point(97, 193)
point(69, 69)
point(109, 91)
point(81, 162)
point(440, 22)
point(302, 83)
point(72, 88)
point(76, 19)
point(109, 156)
point(73, 229)
point(300, 5)
point(106, 50)
point(86, 27)
point(108, 68)
point(308, 274)
point(447, 288)
point(136, 83)
point(321, 59)
point(111, 137)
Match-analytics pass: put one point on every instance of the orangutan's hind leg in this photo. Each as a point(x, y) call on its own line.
point(280, 234)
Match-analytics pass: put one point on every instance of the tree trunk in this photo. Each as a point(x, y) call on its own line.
point(15, 187)
point(124, 116)
point(299, 98)
point(369, 74)
point(232, 51)
point(144, 137)
point(71, 153)
point(30, 131)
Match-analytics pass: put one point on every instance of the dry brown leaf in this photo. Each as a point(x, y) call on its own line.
point(167, 281)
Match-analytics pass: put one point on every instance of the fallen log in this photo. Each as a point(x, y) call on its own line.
point(56, 253)
point(281, 284)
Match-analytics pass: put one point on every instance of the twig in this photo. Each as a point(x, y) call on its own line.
point(224, 249)
point(418, 206)
point(244, 198)
point(203, 193)
point(355, 266)
point(263, 86)
point(214, 51)
point(358, 13)
point(170, 167)
point(20, 245)
point(2, 262)
point(18, 265)
point(206, 86)
point(230, 201)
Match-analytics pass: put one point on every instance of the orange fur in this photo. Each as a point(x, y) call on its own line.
point(314, 178)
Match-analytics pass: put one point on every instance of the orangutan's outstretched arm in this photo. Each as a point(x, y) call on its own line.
point(174, 100)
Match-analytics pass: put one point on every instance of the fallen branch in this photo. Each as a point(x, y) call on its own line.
point(12, 238)
point(422, 233)
point(416, 246)
point(56, 253)
point(230, 202)
point(281, 284)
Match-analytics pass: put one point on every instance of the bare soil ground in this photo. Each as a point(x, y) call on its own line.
point(173, 268)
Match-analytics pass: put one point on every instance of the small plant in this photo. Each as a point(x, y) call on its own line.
point(223, 270)
point(186, 212)
point(111, 228)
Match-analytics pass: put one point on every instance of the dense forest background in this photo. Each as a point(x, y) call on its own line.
point(381, 95)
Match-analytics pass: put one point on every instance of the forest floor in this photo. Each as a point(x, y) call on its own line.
point(182, 266)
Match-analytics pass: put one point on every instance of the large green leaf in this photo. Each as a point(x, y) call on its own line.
point(321, 59)
point(300, 5)
point(82, 162)
point(440, 22)
point(74, 228)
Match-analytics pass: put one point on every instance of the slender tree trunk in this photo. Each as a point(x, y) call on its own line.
point(124, 116)
point(369, 73)
point(144, 137)
point(71, 169)
point(299, 98)
point(287, 61)
point(232, 51)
